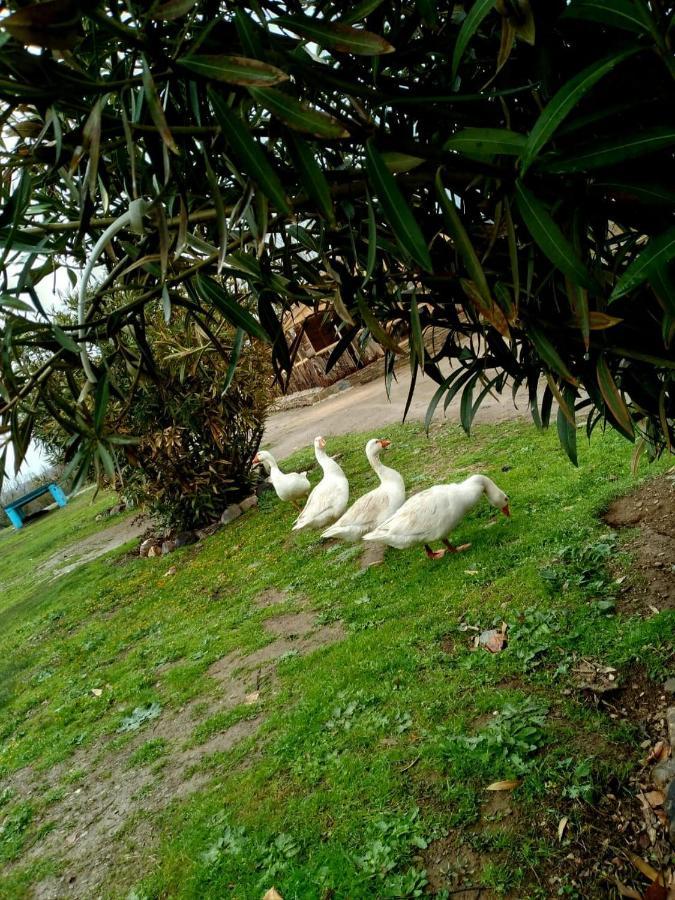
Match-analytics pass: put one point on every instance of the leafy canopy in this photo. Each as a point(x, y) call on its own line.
point(499, 171)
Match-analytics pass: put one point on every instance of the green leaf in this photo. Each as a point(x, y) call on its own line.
point(156, 109)
point(378, 332)
point(549, 354)
point(416, 336)
point(481, 143)
point(372, 241)
point(14, 303)
point(234, 359)
point(567, 431)
point(470, 25)
point(52, 24)
point(248, 153)
point(107, 460)
point(466, 406)
point(360, 11)
point(659, 250)
point(298, 115)
point(616, 13)
point(462, 241)
point(336, 36)
point(215, 294)
point(617, 150)
point(396, 210)
point(563, 102)
point(401, 162)
point(312, 177)
point(101, 402)
point(65, 339)
point(233, 69)
point(550, 238)
point(621, 418)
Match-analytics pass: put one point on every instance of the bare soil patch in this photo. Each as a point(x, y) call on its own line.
point(650, 509)
point(101, 821)
point(83, 551)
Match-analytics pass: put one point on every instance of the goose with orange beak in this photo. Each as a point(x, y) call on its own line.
point(432, 514)
point(329, 498)
point(375, 506)
point(290, 486)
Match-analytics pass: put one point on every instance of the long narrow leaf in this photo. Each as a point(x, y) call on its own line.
point(564, 101)
point(659, 250)
point(335, 36)
point(549, 354)
point(616, 405)
point(616, 13)
point(470, 26)
point(462, 241)
point(248, 153)
point(299, 115)
point(213, 293)
point(406, 230)
point(550, 238)
point(312, 176)
point(234, 70)
point(567, 431)
point(609, 153)
point(481, 143)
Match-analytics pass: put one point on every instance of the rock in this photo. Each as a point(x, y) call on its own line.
point(669, 686)
point(663, 774)
point(155, 550)
point(208, 531)
point(116, 509)
point(183, 538)
point(146, 545)
point(670, 718)
point(232, 512)
point(248, 503)
point(168, 547)
point(669, 807)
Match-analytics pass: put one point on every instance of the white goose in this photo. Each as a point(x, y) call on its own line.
point(375, 506)
point(432, 514)
point(329, 498)
point(288, 485)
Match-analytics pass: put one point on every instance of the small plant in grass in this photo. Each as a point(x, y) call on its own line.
point(140, 716)
point(13, 831)
point(585, 568)
point(389, 844)
point(149, 752)
point(507, 745)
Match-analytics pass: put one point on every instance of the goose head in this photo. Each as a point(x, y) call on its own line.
point(375, 446)
point(497, 497)
point(319, 443)
point(263, 458)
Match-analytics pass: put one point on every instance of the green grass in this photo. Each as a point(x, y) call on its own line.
point(374, 746)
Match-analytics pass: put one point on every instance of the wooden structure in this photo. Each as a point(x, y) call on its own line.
point(14, 509)
point(318, 333)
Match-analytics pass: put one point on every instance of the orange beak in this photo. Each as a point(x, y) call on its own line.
point(384, 444)
point(506, 510)
point(256, 460)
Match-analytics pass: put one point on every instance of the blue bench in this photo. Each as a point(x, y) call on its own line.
point(13, 509)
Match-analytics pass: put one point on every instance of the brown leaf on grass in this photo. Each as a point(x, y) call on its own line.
point(503, 785)
point(272, 894)
point(493, 640)
point(659, 752)
point(626, 891)
point(645, 867)
point(655, 891)
point(251, 698)
point(654, 798)
point(562, 825)
point(591, 676)
point(96, 692)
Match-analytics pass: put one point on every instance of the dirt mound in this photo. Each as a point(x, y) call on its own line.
point(650, 509)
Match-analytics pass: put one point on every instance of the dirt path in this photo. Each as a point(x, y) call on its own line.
point(366, 407)
point(76, 554)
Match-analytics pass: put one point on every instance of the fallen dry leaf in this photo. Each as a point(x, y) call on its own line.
point(659, 752)
point(655, 891)
point(252, 697)
point(96, 692)
point(644, 867)
point(471, 571)
point(562, 825)
point(272, 894)
point(654, 798)
point(171, 571)
point(503, 786)
point(626, 891)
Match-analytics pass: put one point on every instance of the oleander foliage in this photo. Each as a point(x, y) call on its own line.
point(500, 169)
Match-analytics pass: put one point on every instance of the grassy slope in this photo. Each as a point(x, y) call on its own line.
point(332, 800)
